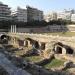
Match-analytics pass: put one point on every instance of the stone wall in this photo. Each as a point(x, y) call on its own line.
point(49, 28)
point(49, 41)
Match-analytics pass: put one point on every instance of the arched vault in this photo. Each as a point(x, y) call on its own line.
point(60, 48)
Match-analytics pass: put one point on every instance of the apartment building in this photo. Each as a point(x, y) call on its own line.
point(20, 15)
point(64, 15)
point(50, 16)
point(33, 14)
point(5, 12)
point(73, 17)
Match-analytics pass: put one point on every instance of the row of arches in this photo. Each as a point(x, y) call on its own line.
point(58, 47)
point(35, 44)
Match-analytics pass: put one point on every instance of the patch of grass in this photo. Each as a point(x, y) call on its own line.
point(62, 33)
point(54, 63)
point(19, 52)
point(33, 58)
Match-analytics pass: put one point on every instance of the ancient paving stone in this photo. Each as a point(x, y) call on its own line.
point(10, 68)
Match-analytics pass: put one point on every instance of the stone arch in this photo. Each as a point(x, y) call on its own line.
point(4, 38)
point(58, 43)
point(21, 42)
point(60, 48)
point(42, 46)
point(29, 39)
point(34, 43)
point(25, 43)
point(69, 50)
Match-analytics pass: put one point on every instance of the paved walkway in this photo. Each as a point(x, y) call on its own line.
point(10, 68)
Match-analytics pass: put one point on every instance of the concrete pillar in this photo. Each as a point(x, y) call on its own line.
point(47, 46)
point(14, 40)
point(43, 46)
point(55, 48)
point(11, 41)
point(26, 43)
point(11, 28)
point(15, 28)
point(29, 45)
point(40, 45)
point(63, 51)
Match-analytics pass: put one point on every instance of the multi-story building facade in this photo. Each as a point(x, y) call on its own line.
point(73, 17)
point(5, 12)
point(60, 15)
point(50, 16)
point(47, 17)
point(72, 11)
point(20, 15)
point(34, 14)
point(64, 16)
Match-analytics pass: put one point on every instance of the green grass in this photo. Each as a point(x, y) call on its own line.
point(33, 58)
point(54, 63)
point(62, 33)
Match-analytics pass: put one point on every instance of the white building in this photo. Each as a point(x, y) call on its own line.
point(72, 11)
point(50, 16)
point(20, 15)
point(60, 15)
point(73, 17)
point(67, 16)
point(47, 18)
point(5, 13)
point(64, 15)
